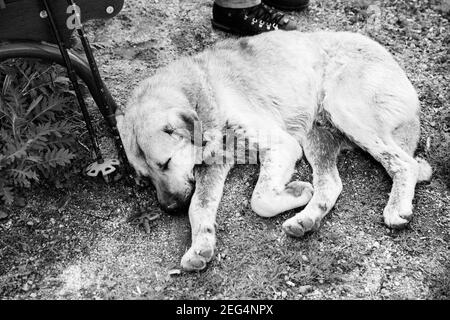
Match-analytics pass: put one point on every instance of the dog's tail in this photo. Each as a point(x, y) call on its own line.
point(425, 170)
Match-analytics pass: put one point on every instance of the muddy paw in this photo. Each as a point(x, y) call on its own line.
point(300, 188)
point(196, 258)
point(395, 220)
point(298, 226)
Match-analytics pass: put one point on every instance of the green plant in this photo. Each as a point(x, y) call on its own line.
point(38, 124)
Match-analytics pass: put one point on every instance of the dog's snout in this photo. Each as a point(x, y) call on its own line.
point(175, 203)
point(172, 206)
point(175, 207)
point(175, 200)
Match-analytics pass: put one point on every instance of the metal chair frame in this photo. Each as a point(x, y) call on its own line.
point(76, 65)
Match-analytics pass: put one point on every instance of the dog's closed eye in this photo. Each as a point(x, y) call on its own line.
point(168, 129)
point(177, 134)
point(164, 166)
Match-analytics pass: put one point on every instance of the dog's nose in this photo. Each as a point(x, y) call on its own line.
point(174, 208)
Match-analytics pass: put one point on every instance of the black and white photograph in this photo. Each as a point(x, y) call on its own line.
point(225, 150)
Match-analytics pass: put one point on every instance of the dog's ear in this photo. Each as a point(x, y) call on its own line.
point(186, 124)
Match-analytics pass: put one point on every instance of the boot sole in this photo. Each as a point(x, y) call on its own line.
point(286, 8)
point(235, 31)
point(225, 28)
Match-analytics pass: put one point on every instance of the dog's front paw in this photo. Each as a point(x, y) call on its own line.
point(396, 219)
point(196, 258)
point(297, 226)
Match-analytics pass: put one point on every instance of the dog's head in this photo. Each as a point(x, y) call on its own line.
point(159, 143)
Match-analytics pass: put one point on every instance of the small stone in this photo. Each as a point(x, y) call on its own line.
point(305, 258)
point(283, 294)
point(174, 272)
point(304, 289)
point(3, 215)
point(290, 283)
point(33, 295)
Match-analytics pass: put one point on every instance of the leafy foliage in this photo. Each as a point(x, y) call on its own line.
point(38, 124)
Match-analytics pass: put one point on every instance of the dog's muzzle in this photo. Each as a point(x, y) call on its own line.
point(176, 203)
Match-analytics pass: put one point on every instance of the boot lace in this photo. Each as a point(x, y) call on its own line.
point(264, 15)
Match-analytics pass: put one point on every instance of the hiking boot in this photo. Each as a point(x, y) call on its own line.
point(288, 5)
point(250, 21)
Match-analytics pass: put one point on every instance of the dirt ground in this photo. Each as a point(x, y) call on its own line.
point(76, 242)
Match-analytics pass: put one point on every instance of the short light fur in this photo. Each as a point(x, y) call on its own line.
point(316, 92)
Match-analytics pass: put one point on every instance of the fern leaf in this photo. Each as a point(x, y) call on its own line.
point(58, 157)
point(4, 136)
point(23, 177)
point(16, 151)
point(16, 101)
point(53, 104)
point(33, 104)
point(7, 195)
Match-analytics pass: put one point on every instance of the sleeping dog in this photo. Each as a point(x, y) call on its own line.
point(293, 94)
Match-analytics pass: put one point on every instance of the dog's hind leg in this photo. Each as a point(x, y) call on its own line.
point(321, 150)
point(381, 141)
point(406, 137)
point(374, 104)
point(273, 194)
point(202, 215)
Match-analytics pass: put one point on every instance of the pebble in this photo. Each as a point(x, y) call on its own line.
point(290, 283)
point(3, 215)
point(174, 272)
point(305, 289)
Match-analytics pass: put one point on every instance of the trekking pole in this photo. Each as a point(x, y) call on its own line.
point(99, 165)
point(104, 106)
